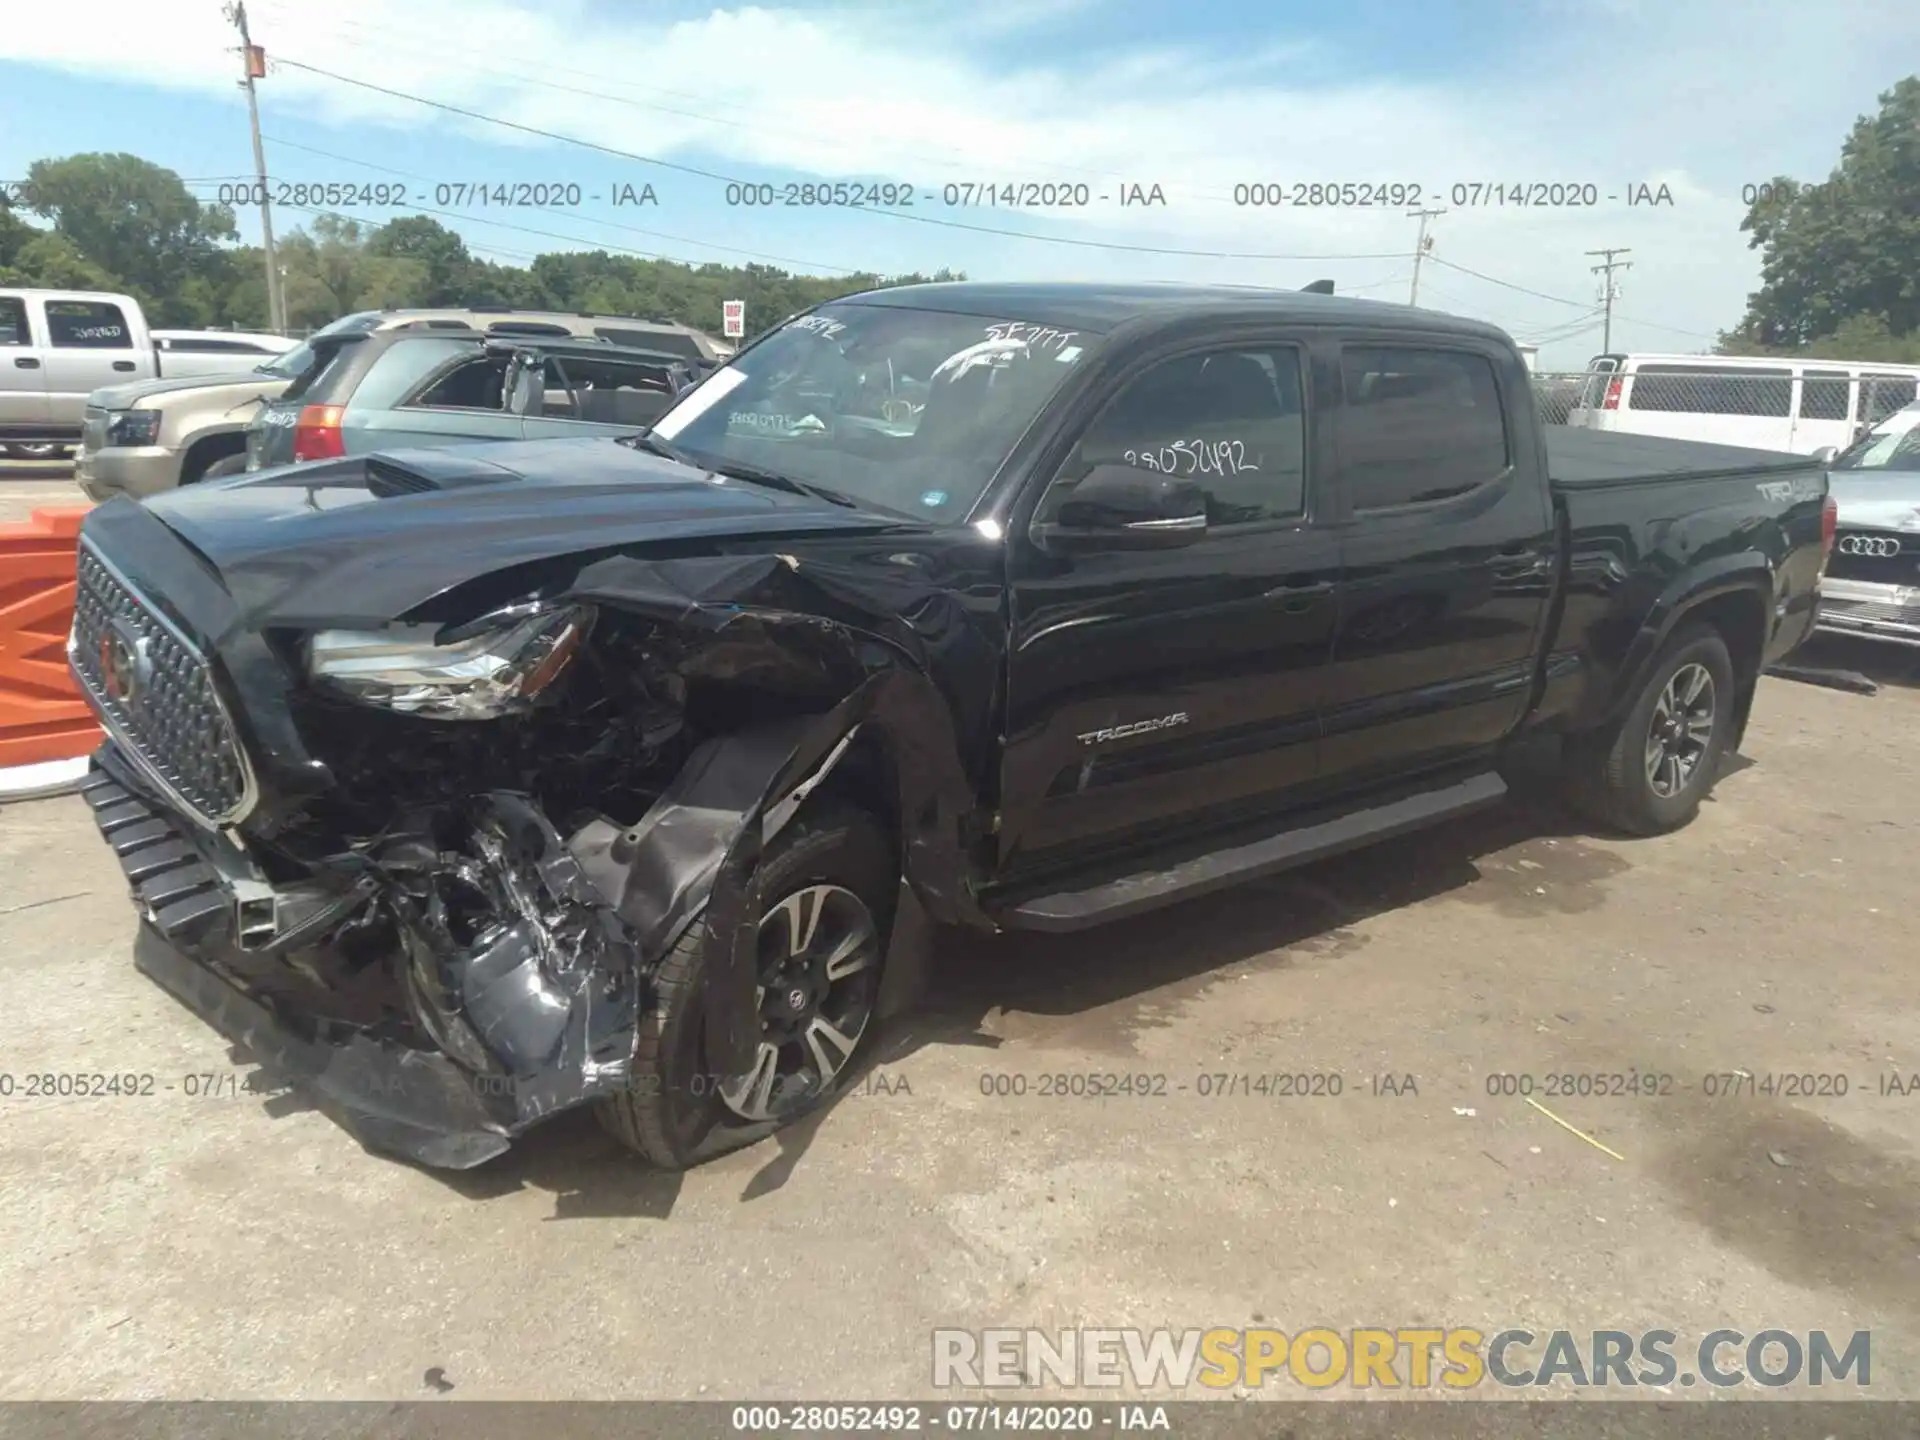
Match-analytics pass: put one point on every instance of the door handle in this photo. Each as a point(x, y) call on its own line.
point(123, 364)
point(25, 362)
point(1298, 599)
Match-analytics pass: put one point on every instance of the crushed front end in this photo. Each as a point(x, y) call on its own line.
point(384, 900)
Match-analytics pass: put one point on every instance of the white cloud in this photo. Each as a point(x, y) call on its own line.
point(1700, 96)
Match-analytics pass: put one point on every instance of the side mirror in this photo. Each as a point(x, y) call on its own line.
point(1824, 455)
point(1119, 507)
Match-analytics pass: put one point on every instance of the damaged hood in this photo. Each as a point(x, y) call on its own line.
point(367, 539)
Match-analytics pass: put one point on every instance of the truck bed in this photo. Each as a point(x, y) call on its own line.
point(1578, 458)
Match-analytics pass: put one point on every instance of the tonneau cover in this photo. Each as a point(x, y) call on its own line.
point(1596, 457)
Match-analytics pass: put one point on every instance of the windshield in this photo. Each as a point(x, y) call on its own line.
point(908, 410)
point(1893, 444)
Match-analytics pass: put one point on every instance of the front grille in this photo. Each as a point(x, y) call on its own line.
point(93, 428)
point(1870, 610)
point(156, 693)
point(1899, 566)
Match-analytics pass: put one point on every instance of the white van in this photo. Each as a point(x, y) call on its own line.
point(1803, 406)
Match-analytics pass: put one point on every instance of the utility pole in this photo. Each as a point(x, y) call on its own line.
point(253, 66)
point(1609, 291)
point(1420, 247)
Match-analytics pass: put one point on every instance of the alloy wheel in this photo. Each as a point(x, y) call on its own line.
point(1681, 731)
point(819, 968)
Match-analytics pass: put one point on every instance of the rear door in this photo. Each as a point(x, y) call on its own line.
point(23, 375)
point(90, 343)
point(1447, 549)
point(1181, 687)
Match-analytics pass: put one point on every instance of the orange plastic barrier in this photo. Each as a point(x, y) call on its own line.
point(43, 720)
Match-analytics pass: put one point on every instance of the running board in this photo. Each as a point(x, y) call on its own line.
point(1217, 869)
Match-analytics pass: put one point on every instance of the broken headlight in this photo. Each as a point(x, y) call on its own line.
point(488, 667)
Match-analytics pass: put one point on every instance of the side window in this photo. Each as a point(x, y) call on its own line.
point(1884, 395)
point(607, 392)
point(476, 385)
point(87, 325)
point(13, 321)
point(1823, 395)
point(1705, 390)
point(1232, 420)
point(1418, 426)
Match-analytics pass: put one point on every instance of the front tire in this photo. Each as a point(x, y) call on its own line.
point(1648, 774)
point(226, 465)
point(824, 889)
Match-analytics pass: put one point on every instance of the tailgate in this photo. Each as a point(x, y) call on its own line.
point(270, 435)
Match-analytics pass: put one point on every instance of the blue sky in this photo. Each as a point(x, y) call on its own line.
point(1702, 96)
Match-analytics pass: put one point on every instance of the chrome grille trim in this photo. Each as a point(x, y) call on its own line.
point(182, 737)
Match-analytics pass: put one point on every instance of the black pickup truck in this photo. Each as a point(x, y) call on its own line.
point(466, 785)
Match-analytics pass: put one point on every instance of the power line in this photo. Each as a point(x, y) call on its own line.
point(891, 214)
point(1562, 300)
point(610, 224)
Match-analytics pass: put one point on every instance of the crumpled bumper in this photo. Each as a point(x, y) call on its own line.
point(193, 890)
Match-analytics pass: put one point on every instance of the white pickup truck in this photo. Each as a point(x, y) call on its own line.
point(58, 346)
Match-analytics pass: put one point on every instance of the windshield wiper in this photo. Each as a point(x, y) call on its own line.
point(755, 475)
point(654, 445)
point(737, 470)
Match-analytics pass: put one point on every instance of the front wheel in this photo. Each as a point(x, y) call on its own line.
point(1649, 773)
point(824, 890)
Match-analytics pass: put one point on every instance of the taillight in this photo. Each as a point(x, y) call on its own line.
point(1829, 526)
point(1612, 402)
point(316, 434)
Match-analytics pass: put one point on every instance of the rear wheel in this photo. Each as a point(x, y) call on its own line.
point(1648, 773)
point(824, 891)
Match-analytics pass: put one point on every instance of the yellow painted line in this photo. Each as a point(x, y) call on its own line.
point(1574, 1129)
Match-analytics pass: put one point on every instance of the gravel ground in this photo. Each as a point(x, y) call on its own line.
point(239, 1245)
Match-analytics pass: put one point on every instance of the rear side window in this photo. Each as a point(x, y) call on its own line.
point(1418, 426)
point(195, 345)
point(87, 325)
point(1884, 395)
point(329, 359)
point(474, 384)
point(404, 368)
point(13, 321)
point(1710, 390)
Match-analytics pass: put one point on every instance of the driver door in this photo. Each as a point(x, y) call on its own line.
point(1178, 688)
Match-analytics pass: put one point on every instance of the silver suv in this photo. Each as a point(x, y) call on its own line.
point(142, 438)
point(1872, 582)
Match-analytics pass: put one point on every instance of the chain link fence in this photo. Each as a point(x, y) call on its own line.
point(1671, 398)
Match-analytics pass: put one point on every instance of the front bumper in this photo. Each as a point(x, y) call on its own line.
point(136, 470)
point(197, 894)
point(1863, 607)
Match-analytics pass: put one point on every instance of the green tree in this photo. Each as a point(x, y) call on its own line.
point(1846, 251)
point(53, 262)
point(439, 251)
point(136, 221)
point(329, 272)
